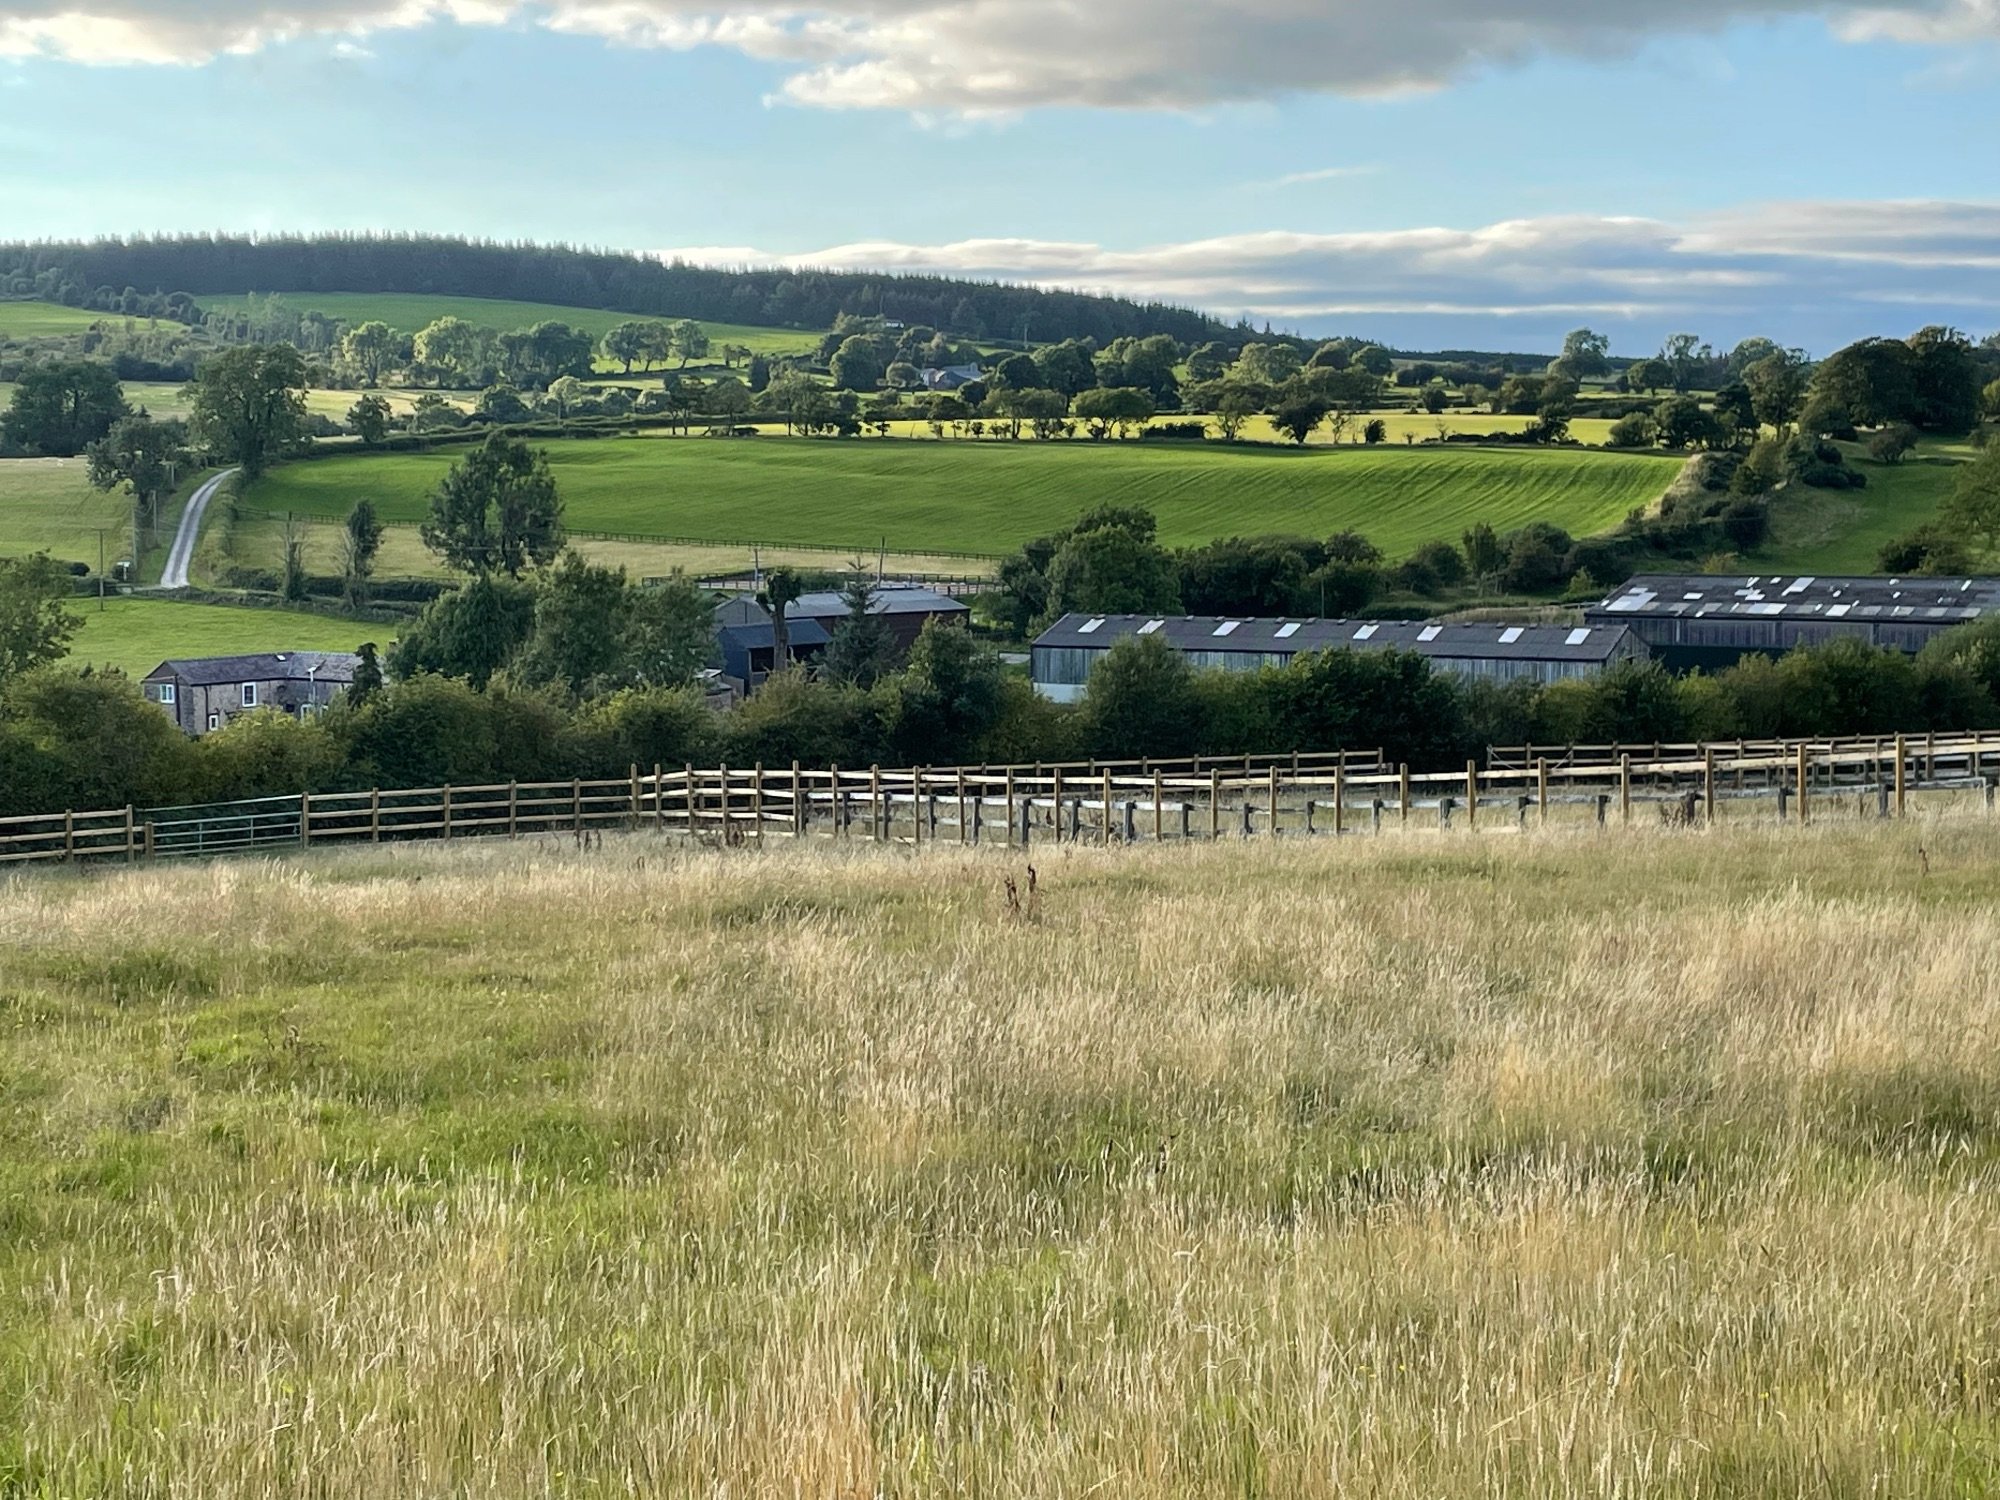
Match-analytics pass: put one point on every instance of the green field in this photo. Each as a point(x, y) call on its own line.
point(990, 497)
point(136, 634)
point(1460, 1166)
point(34, 320)
point(1842, 532)
point(413, 311)
point(48, 505)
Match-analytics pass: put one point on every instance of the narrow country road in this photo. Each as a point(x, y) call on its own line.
point(182, 553)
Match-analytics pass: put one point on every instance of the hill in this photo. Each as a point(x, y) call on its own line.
point(1829, 531)
point(1655, 1164)
point(988, 498)
point(34, 320)
point(211, 265)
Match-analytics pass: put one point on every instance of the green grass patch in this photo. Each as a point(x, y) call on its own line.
point(990, 497)
point(135, 634)
point(40, 320)
point(411, 311)
point(48, 505)
point(1843, 531)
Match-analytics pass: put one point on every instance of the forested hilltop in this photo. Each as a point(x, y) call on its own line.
point(100, 273)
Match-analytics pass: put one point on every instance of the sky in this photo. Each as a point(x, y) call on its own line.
point(1429, 173)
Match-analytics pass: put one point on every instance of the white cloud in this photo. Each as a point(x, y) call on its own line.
point(977, 57)
point(1814, 273)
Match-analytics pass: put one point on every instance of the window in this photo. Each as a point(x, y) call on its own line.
point(1150, 626)
point(1288, 630)
point(1366, 632)
point(161, 692)
point(1430, 633)
point(1578, 637)
point(249, 695)
point(1092, 628)
point(1509, 636)
point(215, 721)
point(1227, 627)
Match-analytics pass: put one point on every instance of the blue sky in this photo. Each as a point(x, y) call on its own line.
point(1473, 172)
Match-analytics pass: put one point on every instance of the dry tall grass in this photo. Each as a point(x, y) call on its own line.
point(1434, 1166)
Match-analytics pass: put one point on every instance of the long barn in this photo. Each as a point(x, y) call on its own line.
point(1703, 621)
point(1067, 650)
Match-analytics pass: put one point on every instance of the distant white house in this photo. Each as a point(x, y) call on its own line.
point(951, 377)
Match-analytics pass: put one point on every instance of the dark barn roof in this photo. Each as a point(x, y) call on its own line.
point(279, 666)
point(1941, 601)
point(1288, 637)
point(893, 600)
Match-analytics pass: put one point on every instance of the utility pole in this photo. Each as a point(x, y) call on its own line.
point(100, 570)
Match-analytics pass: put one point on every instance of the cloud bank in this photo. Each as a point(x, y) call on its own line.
point(1811, 273)
point(995, 56)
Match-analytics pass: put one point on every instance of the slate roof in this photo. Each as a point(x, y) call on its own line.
point(1778, 596)
point(896, 599)
point(269, 666)
point(1288, 637)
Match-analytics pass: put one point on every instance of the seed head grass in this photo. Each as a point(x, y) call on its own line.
point(1433, 1165)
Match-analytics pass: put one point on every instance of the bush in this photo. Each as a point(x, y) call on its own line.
point(1821, 465)
point(1928, 549)
point(1178, 432)
point(1891, 444)
point(1636, 430)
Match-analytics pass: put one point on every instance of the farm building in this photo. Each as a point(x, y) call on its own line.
point(950, 378)
point(1066, 651)
point(204, 693)
point(747, 644)
point(904, 608)
point(1712, 621)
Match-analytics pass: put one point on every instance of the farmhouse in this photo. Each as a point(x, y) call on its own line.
point(1712, 621)
point(1066, 651)
point(904, 608)
point(950, 378)
point(204, 693)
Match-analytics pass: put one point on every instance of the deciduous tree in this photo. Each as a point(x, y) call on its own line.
point(497, 510)
point(61, 407)
point(250, 404)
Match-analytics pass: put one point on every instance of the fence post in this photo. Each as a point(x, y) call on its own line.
point(693, 817)
point(1902, 774)
point(1805, 762)
point(69, 835)
point(1708, 783)
point(148, 832)
point(881, 823)
point(757, 803)
point(1214, 803)
point(131, 831)
point(798, 803)
point(634, 813)
point(1159, 813)
point(1625, 785)
point(659, 798)
point(1472, 794)
point(839, 803)
point(1105, 837)
point(575, 803)
point(1010, 806)
point(1274, 801)
point(1403, 791)
point(305, 820)
point(1340, 796)
point(1542, 788)
point(375, 815)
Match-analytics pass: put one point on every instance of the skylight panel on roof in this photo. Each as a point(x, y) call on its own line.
point(1578, 637)
point(1287, 630)
point(1430, 632)
point(1150, 626)
point(1835, 611)
point(1092, 627)
point(1510, 635)
point(1227, 627)
point(1800, 585)
point(1366, 632)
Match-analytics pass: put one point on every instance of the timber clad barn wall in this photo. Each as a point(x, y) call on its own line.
point(1068, 649)
point(1713, 621)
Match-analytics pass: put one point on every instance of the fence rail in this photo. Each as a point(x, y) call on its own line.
point(1093, 802)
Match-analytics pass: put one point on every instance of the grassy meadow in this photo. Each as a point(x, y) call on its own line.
point(135, 634)
point(1843, 531)
point(1435, 1166)
point(35, 320)
point(989, 497)
point(49, 505)
point(411, 311)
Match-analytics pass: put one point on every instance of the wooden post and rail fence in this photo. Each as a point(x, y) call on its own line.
point(1081, 802)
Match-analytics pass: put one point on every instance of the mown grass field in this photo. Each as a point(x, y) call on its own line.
point(413, 311)
point(1432, 1166)
point(32, 320)
point(48, 505)
point(135, 634)
point(990, 497)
